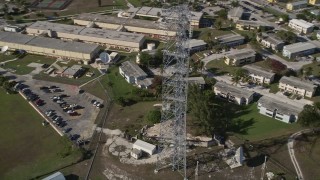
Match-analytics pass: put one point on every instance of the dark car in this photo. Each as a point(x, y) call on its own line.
point(53, 87)
point(43, 87)
point(67, 130)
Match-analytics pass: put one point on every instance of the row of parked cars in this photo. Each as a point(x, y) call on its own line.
point(32, 97)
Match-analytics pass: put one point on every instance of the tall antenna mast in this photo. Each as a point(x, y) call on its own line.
point(172, 139)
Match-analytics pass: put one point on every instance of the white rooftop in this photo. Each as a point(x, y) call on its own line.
point(302, 23)
point(298, 47)
point(145, 145)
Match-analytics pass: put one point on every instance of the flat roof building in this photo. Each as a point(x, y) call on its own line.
point(74, 71)
point(144, 146)
point(111, 38)
point(298, 49)
point(297, 86)
point(296, 5)
point(281, 111)
point(301, 26)
point(230, 39)
point(233, 93)
point(134, 74)
point(196, 45)
point(259, 75)
point(49, 46)
point(150, 28)
point(235, 14)
point(240, 57)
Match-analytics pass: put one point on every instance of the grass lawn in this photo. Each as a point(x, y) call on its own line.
point(20, 66)
point(219, 67)
point(4, 57)
point(204, 33)
point(27, 148)
point(119, 86)
point(65, 80)
point(315, 68)
point(274, 88)
point(255, 126)
point(131, 118)
point(135, 3)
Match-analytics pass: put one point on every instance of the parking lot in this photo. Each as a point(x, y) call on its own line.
point(78, 117)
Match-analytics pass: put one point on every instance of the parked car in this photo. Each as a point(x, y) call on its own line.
point(67, 130)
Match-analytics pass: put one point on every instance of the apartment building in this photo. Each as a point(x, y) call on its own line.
point(232, 93)
point(230, 40)
point(259, 75)
point(278, 110)
point(314, 2)
point(196, 45)
point(296, 5)
point(297, 86)
point(301, 26)
point(298, 49)
point(269, 40)
point(240, 57)
point(249, 25)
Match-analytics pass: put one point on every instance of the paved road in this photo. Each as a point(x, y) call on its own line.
point(291, 151)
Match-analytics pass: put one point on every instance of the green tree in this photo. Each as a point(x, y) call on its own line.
point(285, 17)
point(309, 116)
point(2, 80)
point(287, 36)
point(121, 101)
point(145, 59)
point(218, 24)
point(222, 14)
point(154, 116)
point(205, 115)
point(302, 16)
point(239, 75)
point(235, 3)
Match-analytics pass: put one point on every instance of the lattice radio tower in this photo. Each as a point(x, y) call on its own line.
point(172, 139)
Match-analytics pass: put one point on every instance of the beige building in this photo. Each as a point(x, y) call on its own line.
point(114, 39)
point(149, 28)
point(259, 75)
point(296, 5)
point(269, 40)
point(297, 86)
point(301, 26)
point(154, 12)
point(233, 93)
point(240, 57)
point(49, 47)
point(314, 2)
point(248, 25)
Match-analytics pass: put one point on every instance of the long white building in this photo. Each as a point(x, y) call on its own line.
point(233, 93)
point(279, 110)
point(301, 26)
point(297, 86)
point(114, 39)
point(259, 75)
point(153, 29)
point(49, 46)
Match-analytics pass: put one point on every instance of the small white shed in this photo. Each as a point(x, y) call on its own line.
point(136, 153)
point(55, 176)
point(144, 146)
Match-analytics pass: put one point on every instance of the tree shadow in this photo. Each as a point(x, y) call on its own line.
point(72, 177)
point(256, 161)
point(217, 71)
point(241, 126)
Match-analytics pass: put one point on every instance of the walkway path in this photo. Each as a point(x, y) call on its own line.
point(291, 151)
